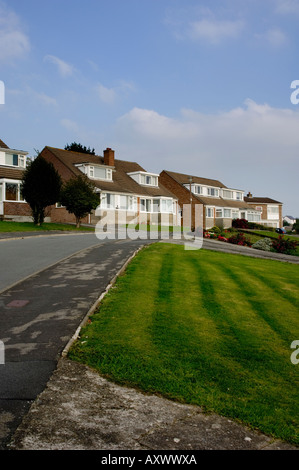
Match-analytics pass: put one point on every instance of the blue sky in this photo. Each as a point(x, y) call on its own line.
point(199, 87)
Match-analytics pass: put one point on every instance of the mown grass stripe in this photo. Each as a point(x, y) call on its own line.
point(262, 300)
point(273, 282)
point(172, 326)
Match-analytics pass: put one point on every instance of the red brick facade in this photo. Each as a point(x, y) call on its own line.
point(12, 208)
point(183, 195)
point(61, 216)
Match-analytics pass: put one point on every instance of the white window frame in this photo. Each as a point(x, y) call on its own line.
point(273, 212)
point(3, 182)
point(211, 189)
point(225, 196)
point(209, 210)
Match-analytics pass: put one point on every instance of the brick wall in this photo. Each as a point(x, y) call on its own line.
point(183, 195)
point(16, 208)
point(60, 215)
point(280, 216)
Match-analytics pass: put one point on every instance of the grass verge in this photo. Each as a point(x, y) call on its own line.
point(7, 226)
point(205, 328)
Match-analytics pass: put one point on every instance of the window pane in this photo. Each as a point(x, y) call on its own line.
point(123, 203)
point(100, 173)
point(11, 192)
point(8, 159)
point(227, 194)
point(142, 205)
point(156, 205)
point(273, 210)
point(148, 205)
point(110, 201)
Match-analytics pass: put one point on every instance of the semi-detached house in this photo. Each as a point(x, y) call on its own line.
point(220, 204)
point(271, 210)
point(128, 193)
point(12, 166)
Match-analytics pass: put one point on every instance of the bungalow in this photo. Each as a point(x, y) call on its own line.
point(270, 209)
point(220, 204)
point(12, 166)
point(128, 193)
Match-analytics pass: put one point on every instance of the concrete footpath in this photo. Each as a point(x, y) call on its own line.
point(39, 315)
point(80, 410)
point(51, 403)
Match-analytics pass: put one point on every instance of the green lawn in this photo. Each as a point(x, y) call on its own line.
point(7, 226)
point(205, 328)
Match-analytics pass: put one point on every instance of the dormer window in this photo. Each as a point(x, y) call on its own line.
point(96, 172)
point(13, 159)
point(213, 192)
point(145, 179)
point(100, 173)
point(149, 180)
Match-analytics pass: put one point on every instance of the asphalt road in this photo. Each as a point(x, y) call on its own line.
point(22, 257)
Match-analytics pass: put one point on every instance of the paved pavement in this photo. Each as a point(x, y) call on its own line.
point(40, 315)
point(49, 402)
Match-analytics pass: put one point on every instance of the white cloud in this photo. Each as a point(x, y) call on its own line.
point(110, 95)
point(63, 67)
point(107, 95)
point(274, 37)
point(70, 125)
point(202, 24)
point(287, 6)
point(14, 43)
point(214, 31)
point(251, 147)
point(45, 99)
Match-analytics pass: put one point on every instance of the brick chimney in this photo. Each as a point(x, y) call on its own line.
point(109, 157)
point(249, 195)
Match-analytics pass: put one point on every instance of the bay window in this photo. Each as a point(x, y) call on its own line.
point(107, 201)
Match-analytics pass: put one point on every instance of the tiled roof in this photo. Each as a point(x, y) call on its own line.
point(261, 200)
point(184, 179)
point(11, 173)
point(122, 182)
point(3, 145)
point(220, 202)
